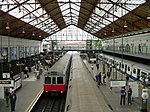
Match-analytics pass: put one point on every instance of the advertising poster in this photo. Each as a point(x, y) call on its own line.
point(21, 52)
point(4, 54)
point(36, 50)
point(27, 52)
point(13, 53)
point(32, 51)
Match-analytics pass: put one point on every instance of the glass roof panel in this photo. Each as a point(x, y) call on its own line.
point(71, 6)
point(108, 11)
point(71, 33)
point(31, 12)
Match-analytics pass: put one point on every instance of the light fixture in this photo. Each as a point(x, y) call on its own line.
point(125, 24)
point(113, 30)
point(148, 17)
point(23, 31)
point(40, 35)
point(33, 34)
point(7, 27)
point(105, 33)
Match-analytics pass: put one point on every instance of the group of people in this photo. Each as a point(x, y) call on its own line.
point(123, 93)
point(99, 79)
point(12, 97)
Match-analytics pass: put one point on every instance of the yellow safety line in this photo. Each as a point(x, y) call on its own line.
point(34, 101)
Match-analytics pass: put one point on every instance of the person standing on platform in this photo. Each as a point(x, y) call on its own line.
point(123, 95)
point(13, 98)
point(100, 79)
point(104, 79)
point(129, 95)
point(97, 64)
point(26, 72)
point(92, 67)
point(7, 95)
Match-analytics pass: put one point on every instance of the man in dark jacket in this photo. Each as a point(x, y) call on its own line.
point(13, 98)
point(129, 95)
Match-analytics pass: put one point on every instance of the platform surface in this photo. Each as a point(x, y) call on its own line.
point(112, 97)
point(26, 94)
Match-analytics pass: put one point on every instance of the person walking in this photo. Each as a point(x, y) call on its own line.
point(13, 98)
point(7, 95)
point(129, 95)
point(123, 95)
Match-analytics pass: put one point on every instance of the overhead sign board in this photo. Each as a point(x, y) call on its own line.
point(7, 83)
point(6, 75)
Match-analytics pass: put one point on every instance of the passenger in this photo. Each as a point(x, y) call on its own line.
point(123, 95)
point(13, 98)
point(100, 77)
point(129, 95)
point(7, 96)
point(127, 80)
point(97, 66)
point(26, 72)
point(140, 51)
point(108, 75)
point(97, 77)
point(92, 67)
point(104, 79)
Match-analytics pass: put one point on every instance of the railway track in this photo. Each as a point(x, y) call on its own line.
point(48, 103)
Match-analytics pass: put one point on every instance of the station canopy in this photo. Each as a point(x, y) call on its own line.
point(39, 19)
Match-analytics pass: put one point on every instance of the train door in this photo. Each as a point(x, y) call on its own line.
point(134, 72)
point(128, 70)
point(138, 73)
point(119, 65)
point(125, 69)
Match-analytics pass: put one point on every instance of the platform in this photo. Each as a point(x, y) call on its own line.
point(112, 97)
point(31, 87)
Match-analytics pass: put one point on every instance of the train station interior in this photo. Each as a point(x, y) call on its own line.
point(59, 49)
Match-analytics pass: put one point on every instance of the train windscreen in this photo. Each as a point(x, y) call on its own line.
point(47, 80)
point(60, 80)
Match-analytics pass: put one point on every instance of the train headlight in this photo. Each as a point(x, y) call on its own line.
point(61, 91)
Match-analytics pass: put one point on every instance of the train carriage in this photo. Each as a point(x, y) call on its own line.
point(134, 70)
point(57, 77)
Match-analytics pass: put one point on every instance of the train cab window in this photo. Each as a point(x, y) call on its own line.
point(47, 80)
point(59, 80)
point(53, 80)
point(122, 65)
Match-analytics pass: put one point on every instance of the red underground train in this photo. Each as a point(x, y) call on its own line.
point(56, 79)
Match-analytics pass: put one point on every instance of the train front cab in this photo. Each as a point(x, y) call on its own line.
point(55, 84)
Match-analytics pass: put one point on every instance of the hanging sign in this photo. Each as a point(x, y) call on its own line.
point(7, 83)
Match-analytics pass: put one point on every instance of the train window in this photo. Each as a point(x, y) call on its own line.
point(122, 65)
point(53, 80)
point(143, 74)
point(128, 68)
point(138, 71)
point(60, 80)
point(134, 71)
point(47, 80)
